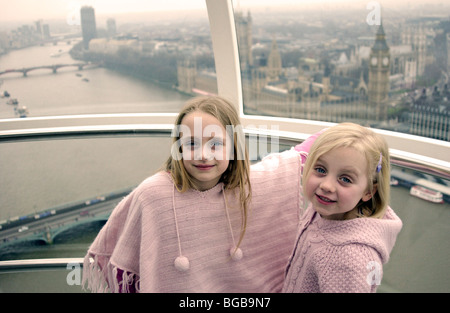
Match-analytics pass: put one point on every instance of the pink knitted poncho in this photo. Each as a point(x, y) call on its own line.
point(341, 256)
point(136, 248)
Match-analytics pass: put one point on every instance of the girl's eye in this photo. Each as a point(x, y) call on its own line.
point(216, 144)
point(346, 180)
point(191, 144)
point(320, 170)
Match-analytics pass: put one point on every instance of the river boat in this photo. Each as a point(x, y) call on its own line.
point(393, 182)
point(427, 194)
point(22, 111)
point(12, 102)
point(57, 54)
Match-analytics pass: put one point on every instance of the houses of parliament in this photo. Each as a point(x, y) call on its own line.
point(356, 88)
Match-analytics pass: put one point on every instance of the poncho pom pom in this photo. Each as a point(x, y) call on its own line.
point(182, 263)
point(236, 254)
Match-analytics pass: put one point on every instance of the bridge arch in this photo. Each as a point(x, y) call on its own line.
point(54, 68)
point(51, 236)
point(13, 72)
point(75, 227)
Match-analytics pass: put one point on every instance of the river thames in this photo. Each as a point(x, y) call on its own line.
point(39, 175)
point(67, 92)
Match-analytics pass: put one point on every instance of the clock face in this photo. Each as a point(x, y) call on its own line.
point(385, 61)
point(373, 61)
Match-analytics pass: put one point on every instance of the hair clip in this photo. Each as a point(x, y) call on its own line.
point(379, 163)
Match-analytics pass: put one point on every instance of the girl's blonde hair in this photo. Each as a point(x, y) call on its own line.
point(373, 147)
point(237, 175)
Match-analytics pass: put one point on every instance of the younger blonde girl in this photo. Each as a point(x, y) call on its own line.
point(348, 230)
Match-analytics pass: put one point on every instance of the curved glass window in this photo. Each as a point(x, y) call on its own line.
point(94, 71)
point(57, 193)
point(63, 64)
point(63, 58)
point(379, 63)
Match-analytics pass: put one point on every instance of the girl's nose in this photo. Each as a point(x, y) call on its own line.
point(205, 154)
point(327, 184)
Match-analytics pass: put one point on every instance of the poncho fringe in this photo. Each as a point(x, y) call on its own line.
point(110, 279)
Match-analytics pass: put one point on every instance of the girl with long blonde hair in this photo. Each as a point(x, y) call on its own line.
point(208, 221)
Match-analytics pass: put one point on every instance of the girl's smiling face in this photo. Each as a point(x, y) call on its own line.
point(204, 149)
point(337, 182)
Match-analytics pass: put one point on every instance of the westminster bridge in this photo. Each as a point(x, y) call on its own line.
point(54, 68)
point(45, 226)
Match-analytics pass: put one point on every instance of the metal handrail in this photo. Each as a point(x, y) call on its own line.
point(84, 131)
point(41, 264)
point(421, 163)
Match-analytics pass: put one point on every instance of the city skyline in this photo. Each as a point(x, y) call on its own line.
point(60, 9)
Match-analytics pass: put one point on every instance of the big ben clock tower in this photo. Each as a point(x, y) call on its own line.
point(379, 63)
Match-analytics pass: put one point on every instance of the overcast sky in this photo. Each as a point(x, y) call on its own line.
point(23, 10)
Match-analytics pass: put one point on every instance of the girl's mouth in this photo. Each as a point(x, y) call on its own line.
point(203, 167)
point(324, 200)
